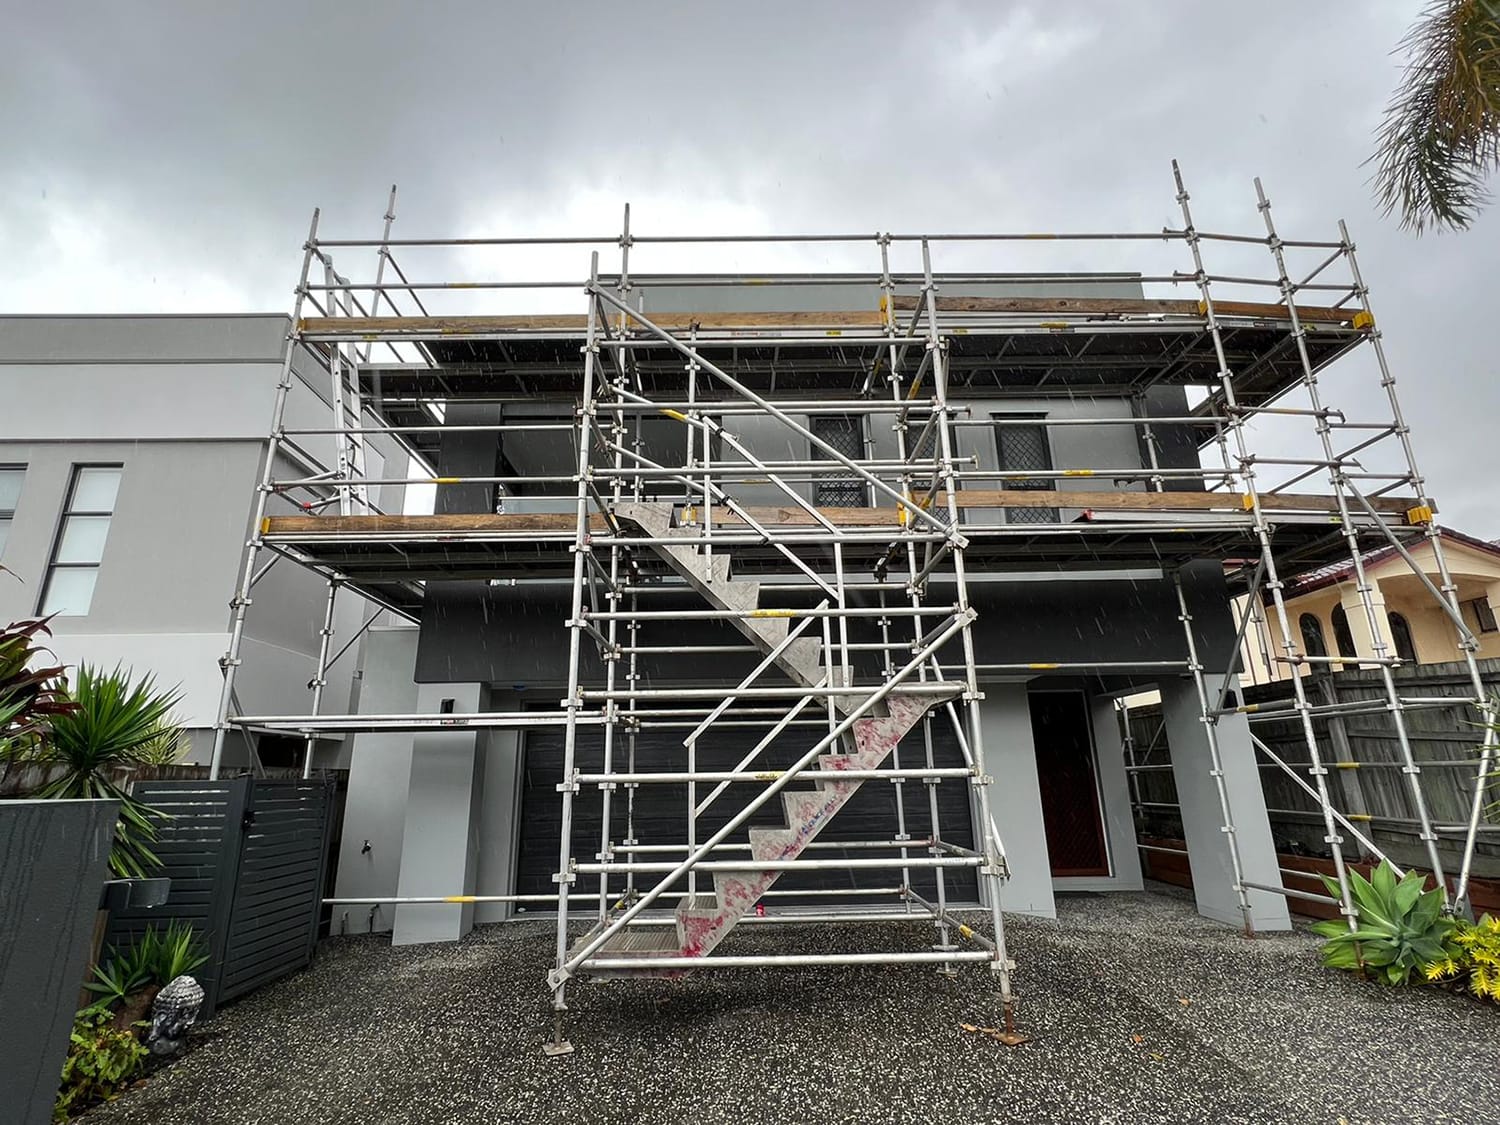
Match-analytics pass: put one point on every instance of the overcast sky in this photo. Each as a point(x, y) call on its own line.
point(166, 157)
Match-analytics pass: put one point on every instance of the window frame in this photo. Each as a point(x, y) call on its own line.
point(1041, 483)
point(75, 476)
point(1401, 627)
point(1338, 617)
point(1303, 621)
point(1484, 615)
point(849, 482)
point(8, 515)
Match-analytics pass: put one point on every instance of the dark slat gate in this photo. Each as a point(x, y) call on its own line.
point(246, 858)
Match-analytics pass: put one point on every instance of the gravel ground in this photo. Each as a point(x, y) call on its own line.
point(1140, 1012)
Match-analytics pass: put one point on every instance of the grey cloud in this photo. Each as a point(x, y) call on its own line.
point(163, 154)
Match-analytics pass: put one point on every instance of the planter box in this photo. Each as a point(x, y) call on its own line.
point(1484, 894)
point(53, 861)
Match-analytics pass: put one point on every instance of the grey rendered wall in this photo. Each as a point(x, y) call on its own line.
point(440, 843)
point(1016, 798)
point(184, 403)
point(128, 378)
point(500, 806)
point(379, 774)
point(179, 522)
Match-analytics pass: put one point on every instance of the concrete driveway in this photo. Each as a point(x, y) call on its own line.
point(1140, 1011)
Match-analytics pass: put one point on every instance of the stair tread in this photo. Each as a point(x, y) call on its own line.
point(640, 941)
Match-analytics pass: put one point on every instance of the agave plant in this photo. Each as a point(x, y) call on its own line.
point(112, 720)
point(1401, 928)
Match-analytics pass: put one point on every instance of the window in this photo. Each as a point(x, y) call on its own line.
point(80, 540)
point(1479, 609)
point(1312, 636)
point(845, 434)
point(10, 494)
point(1341, 634)
point(1401, 637)
point(1025, 447)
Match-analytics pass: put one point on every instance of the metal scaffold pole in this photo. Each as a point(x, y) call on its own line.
point(1339, 479)
point(241, 601)
point(582, 547)
point(771, 544)
point(1245, 473)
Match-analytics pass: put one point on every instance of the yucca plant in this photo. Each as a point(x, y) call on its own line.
point(1401, 928)
point(113, 718)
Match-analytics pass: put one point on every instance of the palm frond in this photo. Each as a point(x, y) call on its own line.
point(1440, 139)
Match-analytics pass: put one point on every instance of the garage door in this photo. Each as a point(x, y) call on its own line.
point(660, 810)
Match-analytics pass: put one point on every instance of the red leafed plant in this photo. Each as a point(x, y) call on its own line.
point(31, 691)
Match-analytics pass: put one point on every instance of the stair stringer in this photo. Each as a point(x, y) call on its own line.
point(802, 660)
point(704, 921)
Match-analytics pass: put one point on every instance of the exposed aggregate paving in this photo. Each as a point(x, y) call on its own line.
point(452, 1034)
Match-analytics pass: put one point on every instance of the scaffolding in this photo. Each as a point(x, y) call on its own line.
point(842, 610)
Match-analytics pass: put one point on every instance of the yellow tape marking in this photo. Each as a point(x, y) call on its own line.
point(675, 415)
point(444, 480)
point(834, 332)
point(1078, 472)
point(1043, 666)
point(769, 775)
point(1346, 765)
point(773, 613)
point(460, 898)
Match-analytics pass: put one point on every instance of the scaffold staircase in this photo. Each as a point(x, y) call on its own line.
point(704, 920)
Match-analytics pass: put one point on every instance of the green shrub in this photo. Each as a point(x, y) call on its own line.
point(101, 1060)
point(173, 953)
point(1473, 953)
point(118, 979)
point(1400, 929)
point(155, 958)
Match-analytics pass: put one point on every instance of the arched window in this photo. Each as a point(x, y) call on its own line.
point(1341, 635)
point(1406, 649)
point(1312, 636)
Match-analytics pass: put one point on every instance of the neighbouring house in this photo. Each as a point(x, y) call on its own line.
point(1328, 616)
point(130, 455)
